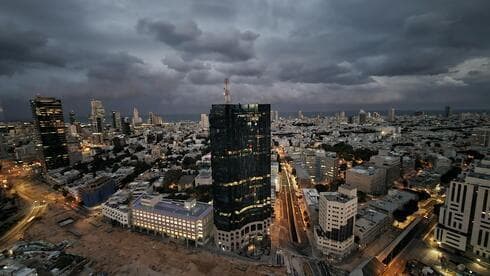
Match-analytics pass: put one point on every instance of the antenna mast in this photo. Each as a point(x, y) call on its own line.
point(227, 92)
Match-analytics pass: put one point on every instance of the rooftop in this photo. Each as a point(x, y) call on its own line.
point(174, 208)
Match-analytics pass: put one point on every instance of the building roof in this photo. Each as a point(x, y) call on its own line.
point(174, 208)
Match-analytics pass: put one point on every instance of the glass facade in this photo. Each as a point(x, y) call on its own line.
point(241, 164)
point(50, 125)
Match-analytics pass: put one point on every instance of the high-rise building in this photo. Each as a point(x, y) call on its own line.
point(71, 117)
point(447, 111)
point(391, 115)
point(137, 120)
point(241, 168)
point(116, 120)
point(204, 123)
point(97, 116)
point(50, 125)
point(337, 213)
point(464, 218)
point(300, 114)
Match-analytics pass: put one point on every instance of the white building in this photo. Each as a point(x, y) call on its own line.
point(188, 220)
point(337, 215)
point(116, 208)
point(464, 220)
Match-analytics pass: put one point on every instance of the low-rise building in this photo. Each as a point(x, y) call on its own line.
point(370, 180)
point(203, 178)
point(369, 225)
point(116, 208)
point(97, 191)
point(188, 220)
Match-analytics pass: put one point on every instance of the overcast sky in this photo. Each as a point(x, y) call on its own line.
point(316, 55)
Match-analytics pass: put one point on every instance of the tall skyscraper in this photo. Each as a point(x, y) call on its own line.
point(116, 120)
point(97, 116)
point(464, 218)
point(337, 214)
point(48, 119)
point(241, 168)
point(300, 114)
point(391, 115)
point(447, 111)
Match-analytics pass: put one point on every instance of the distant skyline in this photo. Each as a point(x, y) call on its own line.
point(171, 57)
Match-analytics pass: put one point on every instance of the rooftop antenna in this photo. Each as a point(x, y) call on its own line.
point(227, 92)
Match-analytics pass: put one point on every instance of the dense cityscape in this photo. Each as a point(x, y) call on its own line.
point(245, 190)
point(232, 138)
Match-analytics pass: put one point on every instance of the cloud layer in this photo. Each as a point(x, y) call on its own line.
point(172, 57)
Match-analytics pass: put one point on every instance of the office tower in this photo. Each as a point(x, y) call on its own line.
point(116, 120)
point(300, 114)
point(97, 116)
point(447, 111)
point(71, 117)
point(154, 119)
point(204, 123)
point(276, 115)
point(391, 115)
point(241, 168)
point(48, 120)
point(464, 218)
point(337, 212)
point(362, 117)
point(126, 126)
point(137, 120)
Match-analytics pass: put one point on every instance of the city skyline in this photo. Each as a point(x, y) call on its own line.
point(172, 58)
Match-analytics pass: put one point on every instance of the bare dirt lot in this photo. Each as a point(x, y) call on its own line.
point(118, 251)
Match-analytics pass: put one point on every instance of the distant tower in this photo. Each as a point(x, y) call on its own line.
point(72, 117)
point(227, 92)
point(391, 115)
point(447, 112)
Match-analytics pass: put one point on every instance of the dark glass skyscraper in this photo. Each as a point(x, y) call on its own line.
point(50, 125)
point(241, 167)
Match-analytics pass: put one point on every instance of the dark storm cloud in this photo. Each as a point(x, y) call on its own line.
point(20, 49)
point(172, 56)
point(190, 39)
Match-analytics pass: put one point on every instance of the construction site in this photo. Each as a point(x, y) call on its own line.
point(117, 251)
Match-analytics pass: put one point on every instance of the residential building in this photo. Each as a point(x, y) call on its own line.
point(50, 130)
point(464, 219)
point(241, 168)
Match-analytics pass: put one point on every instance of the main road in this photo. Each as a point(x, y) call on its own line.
point(37, 196)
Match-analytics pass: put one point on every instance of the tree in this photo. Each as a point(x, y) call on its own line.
point(321, 188)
